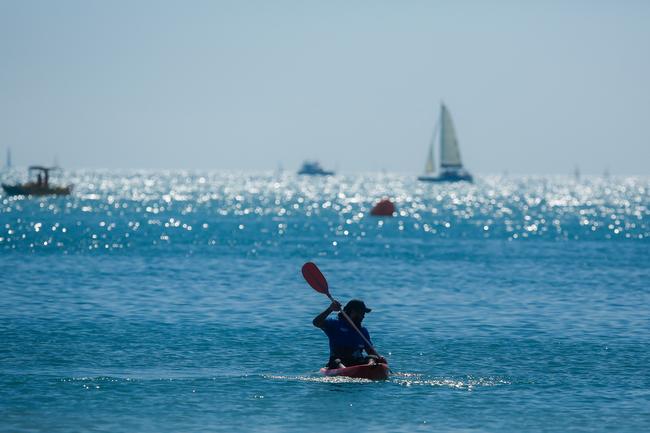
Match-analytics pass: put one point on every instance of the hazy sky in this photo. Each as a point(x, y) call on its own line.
point(356, 84)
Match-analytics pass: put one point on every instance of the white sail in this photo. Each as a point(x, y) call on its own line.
point(449, 152)
point(430, 166)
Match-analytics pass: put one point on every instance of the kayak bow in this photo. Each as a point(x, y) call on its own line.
point(364, 371)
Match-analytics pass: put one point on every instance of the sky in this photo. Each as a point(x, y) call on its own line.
point(256, 85)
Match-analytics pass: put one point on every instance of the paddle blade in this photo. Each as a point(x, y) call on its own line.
point(315, 278)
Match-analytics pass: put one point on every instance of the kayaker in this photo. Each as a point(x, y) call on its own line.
point(346, 345)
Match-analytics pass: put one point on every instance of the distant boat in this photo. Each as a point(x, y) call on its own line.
point(41, 186)
point(576, 172)
point(451, 168)
point(313, 168)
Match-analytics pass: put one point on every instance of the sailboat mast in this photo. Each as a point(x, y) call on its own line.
point(443, 130)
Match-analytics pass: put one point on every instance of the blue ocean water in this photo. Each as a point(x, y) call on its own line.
point(173, 301)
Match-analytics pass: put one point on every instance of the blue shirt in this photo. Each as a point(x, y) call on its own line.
point(345, 342)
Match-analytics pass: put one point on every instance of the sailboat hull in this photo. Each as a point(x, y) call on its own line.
point(448, 177)
point(32, 189)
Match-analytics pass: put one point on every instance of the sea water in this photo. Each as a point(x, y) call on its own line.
point(173, 302)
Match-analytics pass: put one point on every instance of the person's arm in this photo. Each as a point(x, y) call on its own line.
point(319, 321)
point(370, 350)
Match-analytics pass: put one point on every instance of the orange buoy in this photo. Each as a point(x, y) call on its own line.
point(384, 208)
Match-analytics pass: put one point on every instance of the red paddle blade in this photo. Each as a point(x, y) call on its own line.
point(315, 278)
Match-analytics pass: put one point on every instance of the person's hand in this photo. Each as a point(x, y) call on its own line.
point(335, 306)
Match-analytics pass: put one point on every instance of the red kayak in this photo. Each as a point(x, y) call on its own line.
point(364, 371)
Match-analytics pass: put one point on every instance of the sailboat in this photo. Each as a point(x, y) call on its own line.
point(451, 168)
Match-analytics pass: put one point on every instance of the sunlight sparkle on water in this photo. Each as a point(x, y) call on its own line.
point(141, 208)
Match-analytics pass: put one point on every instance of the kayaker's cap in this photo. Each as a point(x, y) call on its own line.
point(356, 305)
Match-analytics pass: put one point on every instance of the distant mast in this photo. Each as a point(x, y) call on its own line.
point(606, 173)
point(8, 161)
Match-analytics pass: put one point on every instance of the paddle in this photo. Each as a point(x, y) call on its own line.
point(317, 281)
